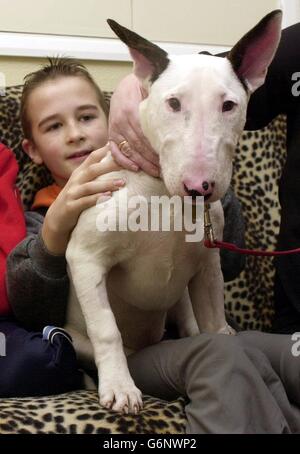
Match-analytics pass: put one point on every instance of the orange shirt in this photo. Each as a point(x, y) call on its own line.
point(46, 196)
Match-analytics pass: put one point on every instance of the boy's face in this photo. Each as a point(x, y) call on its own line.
point(67, 124)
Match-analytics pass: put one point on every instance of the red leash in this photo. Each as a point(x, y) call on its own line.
point(232, 247)
point(210, 241)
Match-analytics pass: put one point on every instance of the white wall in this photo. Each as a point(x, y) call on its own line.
point(220, 22)
point(193, 21)
point(291, 9)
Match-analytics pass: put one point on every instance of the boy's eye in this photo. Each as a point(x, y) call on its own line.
point(87, 117)
point(53, 126)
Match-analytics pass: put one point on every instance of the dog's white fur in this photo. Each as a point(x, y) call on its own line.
point(124, 283)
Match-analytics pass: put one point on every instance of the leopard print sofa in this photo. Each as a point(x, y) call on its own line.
point(258, 162)
point(79, 412)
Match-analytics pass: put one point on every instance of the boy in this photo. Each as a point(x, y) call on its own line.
point(64, 117)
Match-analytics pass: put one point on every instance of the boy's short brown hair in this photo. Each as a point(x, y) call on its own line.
point(57, 67)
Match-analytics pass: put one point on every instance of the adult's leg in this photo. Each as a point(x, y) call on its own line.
point(225, 391)
point(37, 364)
point(281, 351)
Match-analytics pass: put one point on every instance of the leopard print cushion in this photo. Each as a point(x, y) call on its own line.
point(31, 177)
point(258, 164)
point(80, 413)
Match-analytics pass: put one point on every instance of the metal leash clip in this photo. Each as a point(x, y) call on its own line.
point(208, 229)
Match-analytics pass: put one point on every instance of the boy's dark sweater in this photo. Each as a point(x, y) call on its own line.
point(37, 281)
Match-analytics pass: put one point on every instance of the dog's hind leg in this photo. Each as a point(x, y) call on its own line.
point(207, 296)
point(182, 315)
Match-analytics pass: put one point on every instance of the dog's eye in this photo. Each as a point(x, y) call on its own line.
point(228, 105)
point(174, 103)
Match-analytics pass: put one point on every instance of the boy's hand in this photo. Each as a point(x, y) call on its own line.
point(124, 125)
point(81, 192)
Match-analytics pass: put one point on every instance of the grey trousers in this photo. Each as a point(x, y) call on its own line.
point(243, 384)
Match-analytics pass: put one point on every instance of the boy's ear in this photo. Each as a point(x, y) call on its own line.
point(31, 151)
point(149, 59)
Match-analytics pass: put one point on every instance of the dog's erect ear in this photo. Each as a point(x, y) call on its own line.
point(252, 55)
point(149, 60)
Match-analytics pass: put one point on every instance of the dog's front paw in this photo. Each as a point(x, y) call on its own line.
point(227, 329)
point(120, 395)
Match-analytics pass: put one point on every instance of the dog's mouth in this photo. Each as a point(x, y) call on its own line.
point(194, 194)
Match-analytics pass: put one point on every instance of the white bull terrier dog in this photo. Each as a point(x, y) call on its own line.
point(123, 283)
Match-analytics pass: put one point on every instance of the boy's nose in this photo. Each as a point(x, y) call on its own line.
point(75, 134)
